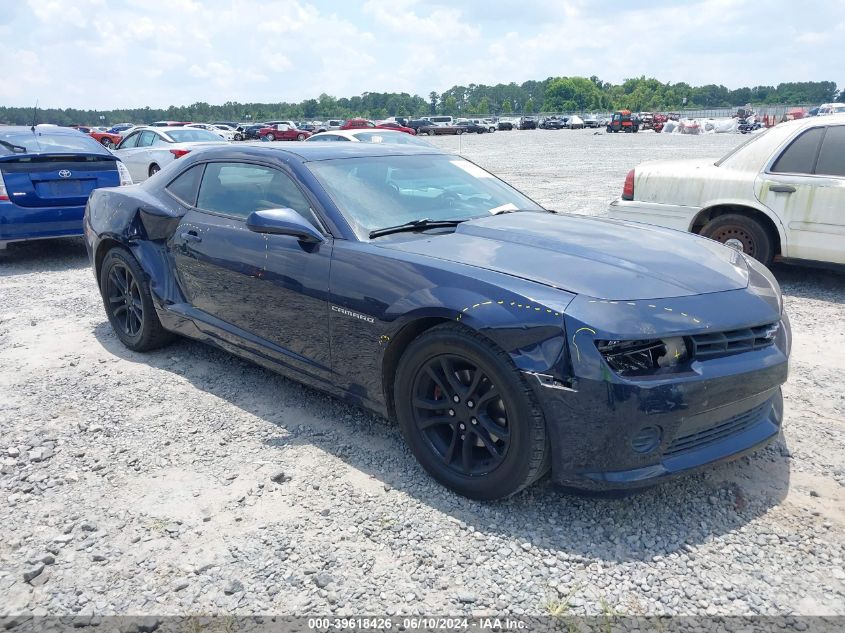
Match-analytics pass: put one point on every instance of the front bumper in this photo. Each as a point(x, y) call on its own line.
point(609, 432)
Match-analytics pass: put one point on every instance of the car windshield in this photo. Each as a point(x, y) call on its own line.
point(40, 142)
point(399, 138)
point(191, 135)
point(379, 191)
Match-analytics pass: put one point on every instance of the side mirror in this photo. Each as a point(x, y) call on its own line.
point(283, 222)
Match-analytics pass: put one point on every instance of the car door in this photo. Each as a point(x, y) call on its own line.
point(804, 185)
point(268, 292)
point(134, 152)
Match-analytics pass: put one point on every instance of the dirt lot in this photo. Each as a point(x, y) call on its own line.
point(187, 481)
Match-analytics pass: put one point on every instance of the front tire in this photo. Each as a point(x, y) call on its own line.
point(468, 415)
point(129, 304)
point(107, 143)
point(300, 137)
point(743, 233)
point(268, 137)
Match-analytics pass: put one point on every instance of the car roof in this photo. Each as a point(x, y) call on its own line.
point(814, 121)
point(46, 129)
point(307, 152)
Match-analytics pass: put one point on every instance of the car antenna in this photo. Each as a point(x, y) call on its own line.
point(34, 116)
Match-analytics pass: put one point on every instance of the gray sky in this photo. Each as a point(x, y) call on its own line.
point(127, 53)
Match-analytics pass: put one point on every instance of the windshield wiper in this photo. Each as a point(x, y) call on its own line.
point(416, 225)
point(20, 149)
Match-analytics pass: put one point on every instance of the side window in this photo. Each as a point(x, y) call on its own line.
point(186, 185)
point(129, 141)
point(240, 188)
point(800, 156)
point(158, 141)
point(147, 138)
point(832, 154)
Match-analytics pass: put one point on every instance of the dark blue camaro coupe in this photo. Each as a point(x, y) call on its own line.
point(505, 339)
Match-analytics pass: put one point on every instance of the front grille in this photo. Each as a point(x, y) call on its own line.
point(736, 424)
point(719, 344)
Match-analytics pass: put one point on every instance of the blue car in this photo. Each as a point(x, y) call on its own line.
point(46, 174)
point(506, 340)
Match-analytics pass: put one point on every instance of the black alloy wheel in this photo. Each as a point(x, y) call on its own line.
point(124, 300)
point(461, 414)
point(128, 303)
point(468, 414)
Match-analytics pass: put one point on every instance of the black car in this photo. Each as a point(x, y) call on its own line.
point(505, 340)
point(474, 128)
point(504, 125)
point(251, 132)
point(552, 123)
point(416, 124)
point(528, 123)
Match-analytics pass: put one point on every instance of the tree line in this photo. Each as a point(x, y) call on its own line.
point(555, 94)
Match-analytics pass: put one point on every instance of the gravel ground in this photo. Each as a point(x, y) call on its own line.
point(188, 481)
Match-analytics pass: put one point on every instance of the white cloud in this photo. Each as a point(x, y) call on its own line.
point(110, 53)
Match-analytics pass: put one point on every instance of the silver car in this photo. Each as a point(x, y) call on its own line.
point(146, 150)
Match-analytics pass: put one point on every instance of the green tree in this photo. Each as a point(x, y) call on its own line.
point(483, 106)
point(450, 105)
point(529, 105)
point(507, 108)
point(432, 99)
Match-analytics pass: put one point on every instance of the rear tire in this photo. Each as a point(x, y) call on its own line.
point(468, 415)
point(106, 143)
point(129, 304)
point(300, 137)
point(743, 233)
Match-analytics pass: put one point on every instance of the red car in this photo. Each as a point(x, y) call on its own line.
point(282, 132)
point(360, 124)
point(104, 138)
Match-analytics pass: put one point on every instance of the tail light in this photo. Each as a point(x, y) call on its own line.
point(628, 189)
point(125, 178)
point(4, 195)
point(179, 153)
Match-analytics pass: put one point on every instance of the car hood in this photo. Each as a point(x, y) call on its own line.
point(601, 258)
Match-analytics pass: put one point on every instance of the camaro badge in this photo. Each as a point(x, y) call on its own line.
point(356, 315)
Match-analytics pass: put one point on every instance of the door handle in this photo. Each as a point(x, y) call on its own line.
point(190, 236)
point(782, 188)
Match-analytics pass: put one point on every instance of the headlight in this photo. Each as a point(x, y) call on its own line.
point(646, 357)
point(763, 282)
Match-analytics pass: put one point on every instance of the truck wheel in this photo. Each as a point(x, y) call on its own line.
point(744, 234)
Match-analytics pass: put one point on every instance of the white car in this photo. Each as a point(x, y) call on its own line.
point(781, 194)
point(831, 108)
point(223, 131)
point(575, 122)
point(369, 135)
point(147, 150)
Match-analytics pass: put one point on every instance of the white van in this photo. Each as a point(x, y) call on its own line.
point(441, 120)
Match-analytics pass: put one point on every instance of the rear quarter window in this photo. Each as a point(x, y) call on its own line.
point(185, 185)
point(800, 156)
